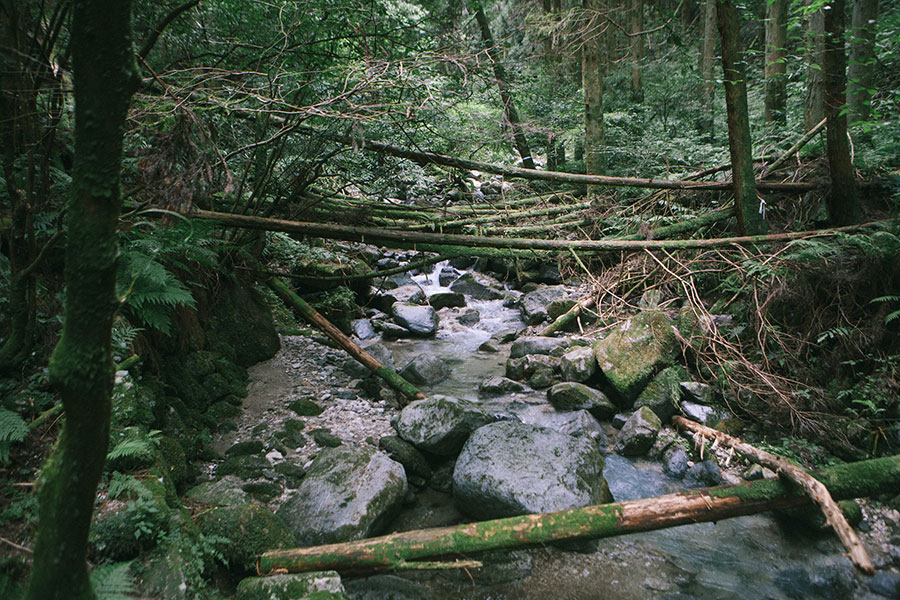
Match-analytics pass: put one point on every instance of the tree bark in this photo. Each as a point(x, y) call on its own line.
point(81, 366)
point(592, 86)
point(393, 379)
point(399, 550)
point(775, 109)
point(707, 67)
point(749, 216)
point(861, 70)
point(637, 50)
point(843, 203)
point(815, 69)
point(814, 488)
point(509, 106)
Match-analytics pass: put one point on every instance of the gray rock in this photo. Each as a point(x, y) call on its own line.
point(362, 328)
point(441, 300)
point(425, 369)
point(533, 305)
point(349, 493)
point(524, 367)
point(578, 364)
point(392, 331)
point(675, 461)
point(542, 377)
point(447, 276)
point(504, 336)
point(705, 415)
point(382, 354)
point(885, 583)
point(697, 392)
point(619, 419)
point(407, 455)
point(510, 468)
point(577, 396)
point(755, 472)
point(638, 433)
point(419, 320)
point(469, 317)
point(499, 386)
point(703, 474)
point(536, 345)
point(439, 424)
point(580, 423)
point(284, 586)
point(663, 393)
point(489, 346)
point(479, 288)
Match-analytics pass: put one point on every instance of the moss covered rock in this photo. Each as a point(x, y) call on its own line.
point(440, 424)
point(221, 492)
point(320, 585)
point(663, 393)
point(577, 396)
point(247, 531)
point(638, 434)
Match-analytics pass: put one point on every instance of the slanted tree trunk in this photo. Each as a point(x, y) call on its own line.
point(81, 367)
point(776, 67)
point(861, 70)
point(592, 84)
point(637, 49)
point(843, 203)
point(750, 221)
point(509, 107)
point(707, 66)
point(814, 110)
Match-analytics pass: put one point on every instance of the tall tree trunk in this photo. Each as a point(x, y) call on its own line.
point(843, 204)
point(81, 367)
point(861, 70)
point(749, 217)
point(776, 67)
point(592, 85)
point(509, 107)
point(637, 49)
point(707, 66)
point(815, 70)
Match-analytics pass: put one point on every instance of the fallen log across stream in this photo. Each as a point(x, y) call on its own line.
point(404, 549)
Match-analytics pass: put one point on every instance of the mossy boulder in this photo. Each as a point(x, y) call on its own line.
point(663, 393)
point(221, 492)
point(634, 352)
point(638, 434)
point(320, 585)
point(578, 364)
point(413, 461)
point(248, 531)
point(306, 407)
point(247, 466)
point(349, 493)
point(132, 530)
point(241, 326)
point(577, 396)
point(439, 424)
point(534, 304)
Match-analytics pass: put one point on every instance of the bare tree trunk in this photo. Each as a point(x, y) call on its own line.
point(81, 366)
point(750, 218)
point(592, 84)
point(707, 65)
point(815, 73)
point(637, 50)
point(509, 107)
point(776, 67)
point(843, 203)
point(861, 70)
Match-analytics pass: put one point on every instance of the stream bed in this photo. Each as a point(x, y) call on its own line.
point(755, 557)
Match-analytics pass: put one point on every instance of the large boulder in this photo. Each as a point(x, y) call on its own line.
point(246, 532)
point(476, 287)
point(578, 364)
point(577, 396)
point(439, 424)
point(663, 393)
point(511, 468)
point(533, 305)
point(421, 321)
point(425, 369)
point(349, 493)
point(638, 433)
point(635, 351)
point(537, 345)
point(289, 586)
point(441, 300)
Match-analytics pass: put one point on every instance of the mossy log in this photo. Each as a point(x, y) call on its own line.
point(509, 216)
point(569, 316)
point(434, 242)
point(398, 550)
point(355, 350)
point(815, 489)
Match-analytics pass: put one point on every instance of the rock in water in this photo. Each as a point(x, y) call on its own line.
point(425, 369)
point(419, 320)
point(441, 300)
point(633, 353)
point(349, 493)
point(439, 424)
point(534, 304)
point(536, 345)
point(470, 286)
point(577, 396)
point(510, 468)
point(638, 433)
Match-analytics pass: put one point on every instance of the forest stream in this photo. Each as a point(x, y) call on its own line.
point(754, 557)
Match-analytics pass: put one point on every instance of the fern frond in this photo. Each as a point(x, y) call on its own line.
point(12, 429)
point(114, 582)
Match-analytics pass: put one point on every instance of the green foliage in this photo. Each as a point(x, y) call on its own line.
point(150, 290)
point(133, 448)
point(126, 485)
point(114, 581)
point(12, 429)
point(891, 299)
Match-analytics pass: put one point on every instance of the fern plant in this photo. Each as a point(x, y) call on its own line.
point(150, 291)
point(114, 582)
point(12, 429)
point(893, 316)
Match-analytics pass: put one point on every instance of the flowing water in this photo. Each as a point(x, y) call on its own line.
point(753, 557)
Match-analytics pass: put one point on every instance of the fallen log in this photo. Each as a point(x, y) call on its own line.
point(569, 316)
point(815, 489)
point(507, 216)
point(432, 242)
point(353, 349)
point(398, 550)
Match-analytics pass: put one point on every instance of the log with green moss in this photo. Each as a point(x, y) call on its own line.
point(399, 550)
point(355, 350)
point(509, 216)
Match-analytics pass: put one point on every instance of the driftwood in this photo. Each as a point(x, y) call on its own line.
point(404, 549)
point(370, 362)
point(434, 242)
point(815, 489)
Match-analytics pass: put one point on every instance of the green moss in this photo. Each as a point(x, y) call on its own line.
point(248, 531)
point(306, 407)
